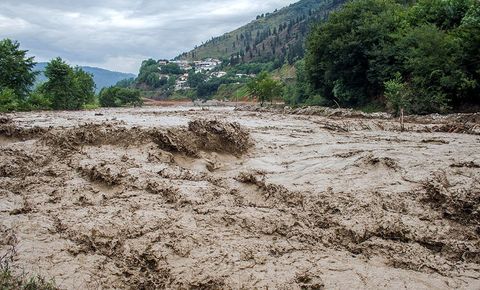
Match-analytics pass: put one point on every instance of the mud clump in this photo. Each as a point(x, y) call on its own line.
point(105, 173)
point(371, 161)
point(18, 163)
point(214, 135)
point(460, 205)
point(170, 193)
point(275, 191)
point(5, 120)
point(204, 135)
point(176, 141)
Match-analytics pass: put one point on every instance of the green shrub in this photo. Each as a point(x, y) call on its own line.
point(397, 94)
point(10, 281)
point(9, 101)
point(118, 97)
point(38, 101)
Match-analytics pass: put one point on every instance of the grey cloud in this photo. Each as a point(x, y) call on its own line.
point(119, 34)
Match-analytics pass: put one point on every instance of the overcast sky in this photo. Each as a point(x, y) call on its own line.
point(119, 34)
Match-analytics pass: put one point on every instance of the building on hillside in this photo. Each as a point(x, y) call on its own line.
point(218, 74)
point(183, 64)
point(182, 83)
point(207, 64)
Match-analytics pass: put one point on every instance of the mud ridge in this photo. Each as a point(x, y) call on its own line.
point(275, 191)
point(10, 130)
point(201, 135)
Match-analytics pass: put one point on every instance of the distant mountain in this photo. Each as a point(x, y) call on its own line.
point(271, 36)
point(102, 77)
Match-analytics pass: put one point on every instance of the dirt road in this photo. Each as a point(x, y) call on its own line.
point(223, 199)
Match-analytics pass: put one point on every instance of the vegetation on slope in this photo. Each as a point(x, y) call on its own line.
point(273, 36)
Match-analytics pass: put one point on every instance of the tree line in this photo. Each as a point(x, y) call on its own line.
point(423, 56)
point(66, 88)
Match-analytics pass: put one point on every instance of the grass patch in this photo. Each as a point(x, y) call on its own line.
point(10, 281)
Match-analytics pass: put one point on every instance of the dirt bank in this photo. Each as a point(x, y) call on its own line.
point(223, 199)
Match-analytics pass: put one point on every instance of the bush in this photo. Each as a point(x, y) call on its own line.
point(397, 94)
point(265, 87)
point(38, 101)
point(9, 101)
point(119, 97)
point(10, 281)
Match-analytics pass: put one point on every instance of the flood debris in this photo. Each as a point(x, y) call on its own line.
point(469, 164)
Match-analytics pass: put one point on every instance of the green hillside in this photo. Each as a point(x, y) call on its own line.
point(277, 35)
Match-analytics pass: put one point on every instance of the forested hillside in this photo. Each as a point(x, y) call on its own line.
point(272, 36)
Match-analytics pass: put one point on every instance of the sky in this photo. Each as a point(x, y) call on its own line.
point(119, 34)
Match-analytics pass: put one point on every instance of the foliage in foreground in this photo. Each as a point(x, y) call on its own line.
point(10, 281)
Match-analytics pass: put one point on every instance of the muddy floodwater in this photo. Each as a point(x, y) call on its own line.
point(217, 198)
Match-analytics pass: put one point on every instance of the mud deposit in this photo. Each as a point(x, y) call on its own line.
point(221, 199)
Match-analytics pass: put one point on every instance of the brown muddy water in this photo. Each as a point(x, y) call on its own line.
point(216, 198)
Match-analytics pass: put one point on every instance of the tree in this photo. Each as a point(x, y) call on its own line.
point(85, 85)
point(16, 69)
point(398, 95)
point(299, 92)
point(264, 87)
point(126, 83)
point(149, 74)
point(340, 51)
point(66, 87)
point(171, 68)
point(431, 61)
point(195, 79)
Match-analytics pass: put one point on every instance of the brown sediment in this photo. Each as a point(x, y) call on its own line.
point(232, 200)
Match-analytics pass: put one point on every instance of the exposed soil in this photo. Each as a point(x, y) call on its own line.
point(214, 198)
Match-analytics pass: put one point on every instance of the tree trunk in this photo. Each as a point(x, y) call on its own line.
point(402, 125)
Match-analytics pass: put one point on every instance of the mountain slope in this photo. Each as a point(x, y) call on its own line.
point(280, 34)
point(102, 77)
